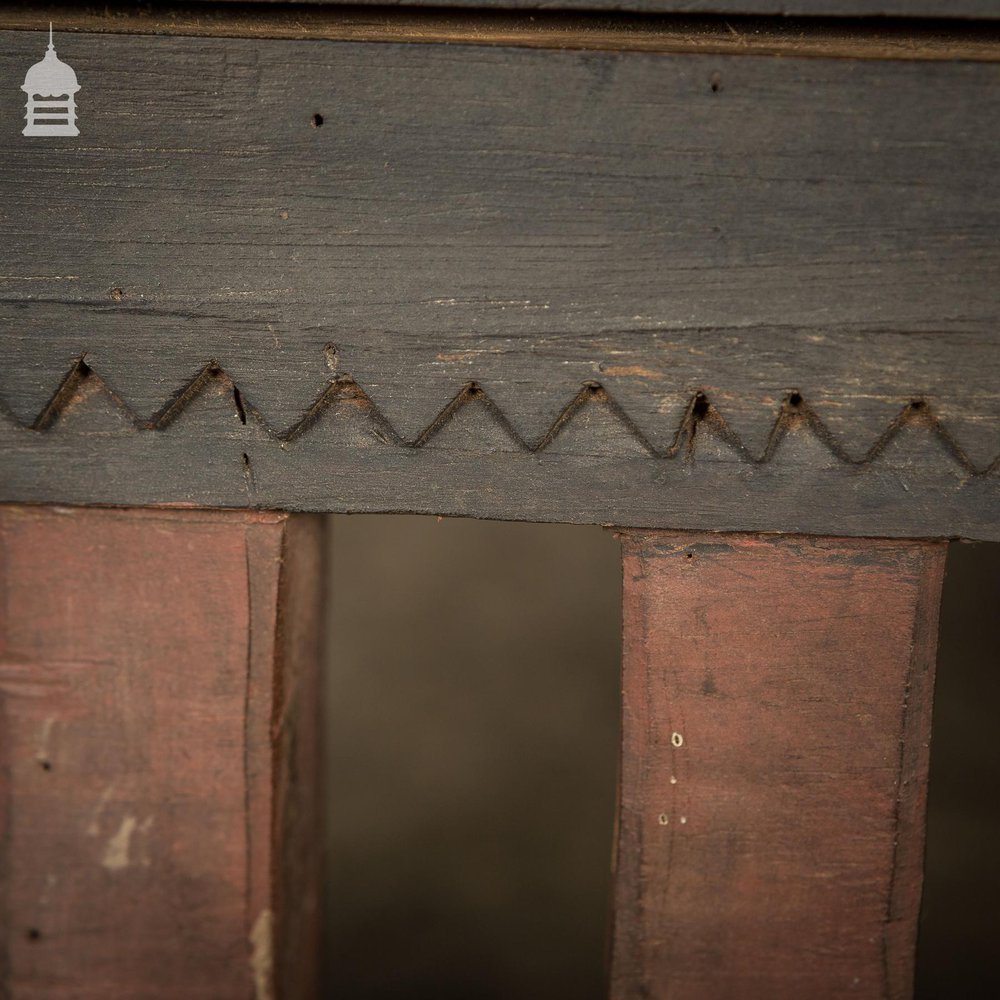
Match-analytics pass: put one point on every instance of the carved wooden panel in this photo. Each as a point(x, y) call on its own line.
point(644, 289)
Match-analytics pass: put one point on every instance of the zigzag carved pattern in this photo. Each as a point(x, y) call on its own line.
point(82, 381)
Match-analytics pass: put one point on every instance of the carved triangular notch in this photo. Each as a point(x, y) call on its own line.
point(704, 434)
point(87, 403)
point(212, 400)
point(915, 443)
point(345, 415)
point(471, 422)
point(799, 438)
point(594, 424)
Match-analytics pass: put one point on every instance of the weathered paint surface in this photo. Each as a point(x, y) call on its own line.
point(656, 290)
point(141, 654)
point(776, 715)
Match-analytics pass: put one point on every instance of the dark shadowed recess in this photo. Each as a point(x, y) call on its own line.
point(957, 949)
point(472, 735)
point(472, 741)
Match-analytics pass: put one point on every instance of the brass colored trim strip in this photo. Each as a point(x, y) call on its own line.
point(812, 38)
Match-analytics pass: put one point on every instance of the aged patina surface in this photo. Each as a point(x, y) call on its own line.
point(650, 289)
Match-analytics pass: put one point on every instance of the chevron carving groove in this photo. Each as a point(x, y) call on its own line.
point(82, 381)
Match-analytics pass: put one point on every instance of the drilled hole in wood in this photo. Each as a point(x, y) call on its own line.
point(33, 934)
point(45, 765)
point(715, 82)
point(316, 121)
point(795, 399)
point(917, 404)
point(117, 294)
point(699, 409)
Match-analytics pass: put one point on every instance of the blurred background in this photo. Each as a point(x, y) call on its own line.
point(471, 755)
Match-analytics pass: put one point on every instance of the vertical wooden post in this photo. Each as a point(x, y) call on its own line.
point(158, 754)
point(776, 714)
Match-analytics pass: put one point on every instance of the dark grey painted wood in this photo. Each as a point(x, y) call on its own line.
point(757, 230)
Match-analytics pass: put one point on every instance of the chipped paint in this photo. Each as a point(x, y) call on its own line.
point(262, 955)
point(117, 851)
point(42, 753)
point(94, 827)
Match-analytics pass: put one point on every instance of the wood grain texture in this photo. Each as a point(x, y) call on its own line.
point(157, 684)
point(776, 723)
point(829, 8)
point(686, 291)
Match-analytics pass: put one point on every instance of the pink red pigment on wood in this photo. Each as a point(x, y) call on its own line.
point(776, 714)
point(157, 808)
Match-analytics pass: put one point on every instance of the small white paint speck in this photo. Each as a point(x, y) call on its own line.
point(42, 754)
point(93, 827)
point(664, 819)
point(673, 780)
point(677, 740)
point(116, 853)
point(684, 819)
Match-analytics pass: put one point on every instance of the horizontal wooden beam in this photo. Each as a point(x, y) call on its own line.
point(651, 290)
point(629, 29)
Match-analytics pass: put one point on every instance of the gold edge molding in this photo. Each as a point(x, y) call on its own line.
point(777, 36)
